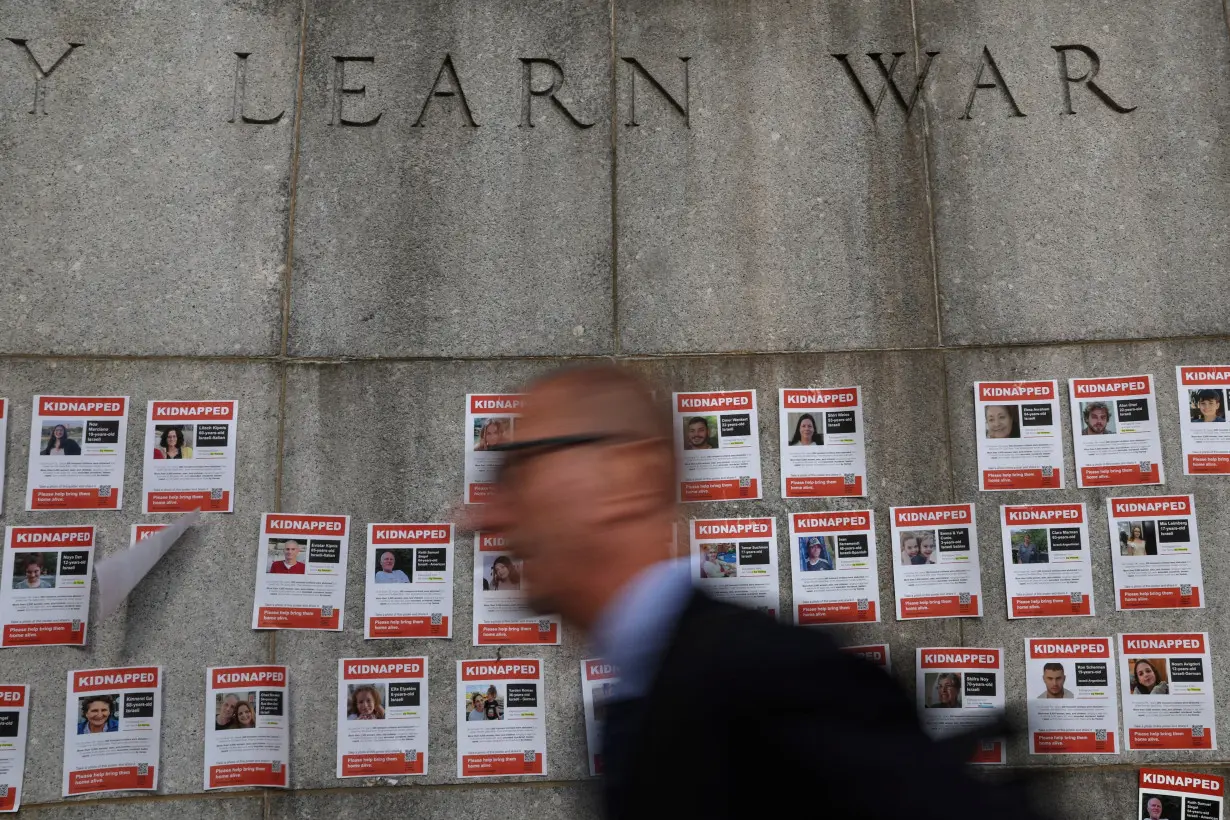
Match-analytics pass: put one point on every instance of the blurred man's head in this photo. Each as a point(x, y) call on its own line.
point(592, 475)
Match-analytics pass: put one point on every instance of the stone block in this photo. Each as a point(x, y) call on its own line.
point(550, 802)
point(907, 463)
point(193, 610)
point(1076, 221)
point(437, 229)
point(139, 220)
point(215, 807)
point(335, 417)
point(765, 208)
point(1212, 497)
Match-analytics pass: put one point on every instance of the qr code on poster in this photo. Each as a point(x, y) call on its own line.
point(1048, 472)
point(215, 494)
point(963, 599)
point(1197, 731)
point(1078, 597)
point(4, 790)
point(544, 626)
point(745, 482)
point(1185, 590)
point(1146, 466)
point(276, 768)
point(861, 604)
point(1099, 735)
point(76, 624)
point(326, 612)
point(531, 756)
point(437, 618)
point(412, 755)
point(104, 491)
point(848, 479)
point(988, 745)
point(142, 770)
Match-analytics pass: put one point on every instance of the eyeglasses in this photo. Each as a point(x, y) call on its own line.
point(519, 452)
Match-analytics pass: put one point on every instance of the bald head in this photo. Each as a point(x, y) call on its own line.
point(584, 515)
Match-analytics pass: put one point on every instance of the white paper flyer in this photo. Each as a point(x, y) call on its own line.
point(960, 689)
point(598, 681)
point(301, 572)
point(45, 594)
point(14, 726)
point(1168, 691)
point(490, 420)
point(247, 727)
point(935, 562)
point(875, 654)
point(409, 587)
point(1020, 435)
point(823, 453)
point(382, 725)
point(833, 567)
point(501, 718)
point(735, 560)
point(717, 439)
point(190, 456)
point(1115, 432)
point(1048, 566)
point(77, 453)
point(1202, 419)
point(1170, 795)
point(501, 615)
point(112, 730)
point(1072, 697)
point(1155, 552)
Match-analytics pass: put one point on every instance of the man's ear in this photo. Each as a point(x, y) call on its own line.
point(640, 476)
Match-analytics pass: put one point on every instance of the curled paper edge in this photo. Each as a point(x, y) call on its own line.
point(119, 574)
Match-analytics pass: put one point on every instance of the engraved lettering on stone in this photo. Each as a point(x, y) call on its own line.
point(997, 81)
point(454, 89)
point(1095, 65)
point(341, 91)
point(42, 75)
point(635, 68)
point(528, 92)
point(890, 81)
point(237, 101)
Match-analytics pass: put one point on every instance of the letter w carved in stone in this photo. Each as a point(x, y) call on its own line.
point(890, 81)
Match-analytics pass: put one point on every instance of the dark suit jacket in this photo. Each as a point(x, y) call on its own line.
point(750, 718)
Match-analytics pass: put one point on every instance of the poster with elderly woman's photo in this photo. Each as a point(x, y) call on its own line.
point(822, 445)
point(1203, 429)
point(381, 717)
point(14, 729)
point(501, 708)
point(1170, 795)
point(717, 441)
point(45, 585)
point(77, 453)
point(490, 423)
point(735, 560)
point(247, 727)
point(301, 571)
point(1155, 552)
point(189, 457)
point(1020, 435)
point(959, 689)
point(112, 730)
point(1115, 433)
point(1071, 697)
point(936, 570)
point(502, 617)
point(409, 586)
point(833, 567)
point(1048, 570)
point(1168, 700)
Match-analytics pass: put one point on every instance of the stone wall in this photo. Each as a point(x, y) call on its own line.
point(704, 195)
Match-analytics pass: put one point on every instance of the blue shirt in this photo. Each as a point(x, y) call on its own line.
point(632, 632)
